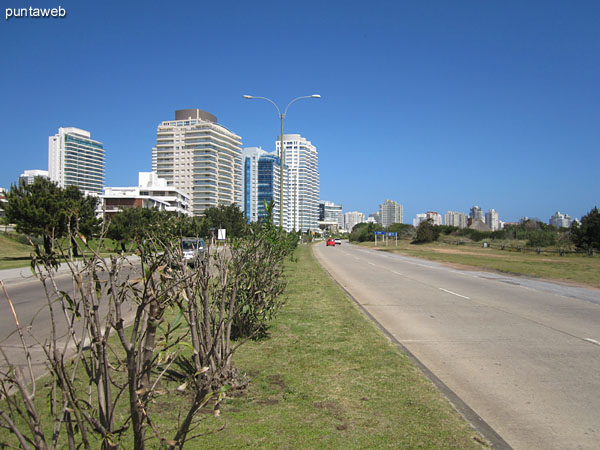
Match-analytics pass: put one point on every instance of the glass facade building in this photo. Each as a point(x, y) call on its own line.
point(75, 159)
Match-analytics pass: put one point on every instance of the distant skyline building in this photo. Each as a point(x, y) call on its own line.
point(455, 219)
point(492, 219)
point(151, 192)
point(390, 212)
point(560, 220)
point(28, 176)
point(75, 159)
point(436, 218)
point(301, 157)
point(200, 157)
point(261, 184)
point(352, 218)
point(330, 212)
point(475, 213)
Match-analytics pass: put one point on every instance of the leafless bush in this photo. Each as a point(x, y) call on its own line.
point(110, 343)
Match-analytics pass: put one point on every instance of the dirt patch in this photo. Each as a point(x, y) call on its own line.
point(455, 251)
point(268, 401)
point(277, 380)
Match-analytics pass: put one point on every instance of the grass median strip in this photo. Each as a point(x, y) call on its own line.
point(328, 378)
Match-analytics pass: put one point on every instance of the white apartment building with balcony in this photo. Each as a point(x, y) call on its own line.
point(353, 218)
point(28, 176)
point(151, 192)
point(302, 159)
point(391, 212)
point(200, 157)
point(75, 159)
point(455, 219)
point(492, 219)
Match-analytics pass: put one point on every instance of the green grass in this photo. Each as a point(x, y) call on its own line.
point(15, 254)
point(570, 268)
point(326, 377)
point(12, 253)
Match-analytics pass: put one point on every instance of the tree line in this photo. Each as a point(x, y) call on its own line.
point(584, 235)
point(46, 210)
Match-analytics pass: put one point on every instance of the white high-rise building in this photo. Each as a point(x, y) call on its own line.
point(202, 158)
point(391, 212)
point(75, 159)
point(261, 177)
point(492, 219)
point(28, 176)
point(301, 157)
point(455, 219)
point(560, 220)
point(353, 218)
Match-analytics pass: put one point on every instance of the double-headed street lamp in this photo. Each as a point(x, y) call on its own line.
point(281, 151)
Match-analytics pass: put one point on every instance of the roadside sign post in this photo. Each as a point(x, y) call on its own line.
point(394, 235)
point(380, 233)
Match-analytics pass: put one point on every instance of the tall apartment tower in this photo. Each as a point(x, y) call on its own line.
point(492, 220)
point(261, 177)
point(302, 159)
point(455, 219)
point(391, 212)
point(75, 159)
point(200, 157)
point(352, 218)
point(475, 213)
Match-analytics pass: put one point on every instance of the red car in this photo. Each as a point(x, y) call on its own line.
point(330, 242)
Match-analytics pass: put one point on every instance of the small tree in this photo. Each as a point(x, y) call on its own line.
point(44, 209)
point(426, 232)
point(587, 235)
point(229, 217)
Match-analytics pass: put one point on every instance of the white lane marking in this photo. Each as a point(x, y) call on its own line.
point(593, 341)
point(370, 263)
point(397, 273)
point(454, 293)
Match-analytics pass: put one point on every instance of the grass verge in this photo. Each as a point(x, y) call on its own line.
point(328, 378)
point(571, 268)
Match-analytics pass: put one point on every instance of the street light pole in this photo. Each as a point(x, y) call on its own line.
point(281, 150)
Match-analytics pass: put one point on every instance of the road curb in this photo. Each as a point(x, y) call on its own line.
point(481, 426)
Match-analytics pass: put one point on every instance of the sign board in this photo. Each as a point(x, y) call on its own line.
point(381, 233)
point(221, 232)
point(392, 234)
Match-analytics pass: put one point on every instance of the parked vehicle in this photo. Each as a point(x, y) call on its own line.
point(193, 249)
point(330, 242)
point(338, 241)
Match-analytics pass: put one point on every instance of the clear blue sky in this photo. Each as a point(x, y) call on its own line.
point(439, 105)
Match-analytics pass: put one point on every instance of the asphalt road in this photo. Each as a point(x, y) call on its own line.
point(31, 306)
point(523, 354)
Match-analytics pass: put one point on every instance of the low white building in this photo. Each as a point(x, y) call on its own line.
point(151, 192)
point(560, 220)
point(436, 218)
point(28, 176)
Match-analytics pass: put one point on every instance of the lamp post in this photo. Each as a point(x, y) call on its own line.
point(281, 152)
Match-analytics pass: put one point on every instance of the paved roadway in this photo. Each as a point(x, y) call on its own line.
point(29, 299)
point(523, 354)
